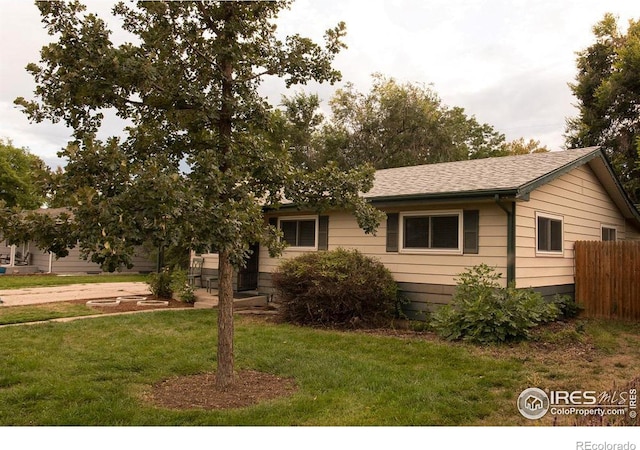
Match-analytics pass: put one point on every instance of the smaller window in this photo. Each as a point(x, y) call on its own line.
point(608, 233)
point(299, 232)
point(549, 234)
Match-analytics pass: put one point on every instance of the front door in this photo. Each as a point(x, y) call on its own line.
point(248, 275)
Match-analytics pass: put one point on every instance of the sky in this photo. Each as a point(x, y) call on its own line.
point(506, 62)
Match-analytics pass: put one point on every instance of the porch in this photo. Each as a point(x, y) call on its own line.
point(241, 300)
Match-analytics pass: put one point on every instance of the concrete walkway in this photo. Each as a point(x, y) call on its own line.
point(89, 291)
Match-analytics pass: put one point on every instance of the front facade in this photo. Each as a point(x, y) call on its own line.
point(519, 214)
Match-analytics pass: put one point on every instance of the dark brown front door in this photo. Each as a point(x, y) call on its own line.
point(248, 275)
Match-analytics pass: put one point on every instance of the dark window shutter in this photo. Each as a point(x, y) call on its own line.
point(273, 221)
point(323, 233)
point(392, 231)
point(471, 231)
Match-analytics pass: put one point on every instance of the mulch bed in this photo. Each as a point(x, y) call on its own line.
point(200, 392)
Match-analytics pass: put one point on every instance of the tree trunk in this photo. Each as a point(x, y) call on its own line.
point(224, 374)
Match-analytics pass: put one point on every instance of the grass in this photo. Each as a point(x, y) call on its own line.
point(27, 281)
point(47, 311)
point(95, 372)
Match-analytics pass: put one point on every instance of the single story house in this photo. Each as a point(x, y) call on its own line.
point(27, 258)
point(520, 214)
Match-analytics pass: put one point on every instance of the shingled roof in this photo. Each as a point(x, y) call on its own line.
point(507, 175)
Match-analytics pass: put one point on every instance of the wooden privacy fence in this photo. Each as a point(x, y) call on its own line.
point(608, 278)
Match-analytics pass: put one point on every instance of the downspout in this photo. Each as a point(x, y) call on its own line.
point(511, 238)
point(50, 262)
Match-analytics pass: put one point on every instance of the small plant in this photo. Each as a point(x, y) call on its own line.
point(484, 312)
point(336, 288)
point(160, 283)
point(567, 306)
point(181, 287)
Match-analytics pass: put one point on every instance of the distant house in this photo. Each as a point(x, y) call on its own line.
point(26, 258)
point(520, 214)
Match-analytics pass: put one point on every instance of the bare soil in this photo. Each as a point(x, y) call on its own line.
point(200, 391)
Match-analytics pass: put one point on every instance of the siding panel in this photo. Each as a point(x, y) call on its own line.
point(584, 205)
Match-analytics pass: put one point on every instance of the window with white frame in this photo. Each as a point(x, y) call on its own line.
point(299, 232)
point(549, 233)
point(609, 233)
point(438, 231)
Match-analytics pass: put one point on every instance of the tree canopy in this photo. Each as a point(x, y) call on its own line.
point(198, 163)
point(395, 124)
point(607, 89)
point(23, 177)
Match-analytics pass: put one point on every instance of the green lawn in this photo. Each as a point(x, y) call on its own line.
point(46, 311)
point(95, 372)
point(25, 281)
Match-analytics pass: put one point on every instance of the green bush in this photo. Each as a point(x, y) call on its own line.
point(340, 288)
point(160, 283)
point(181, 287)
point(567, 306)
point(484, 312)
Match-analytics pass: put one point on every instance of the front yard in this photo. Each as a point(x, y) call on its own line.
point(100, 371)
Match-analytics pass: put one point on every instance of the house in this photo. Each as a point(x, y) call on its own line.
point(519, 214)
point(27, 258)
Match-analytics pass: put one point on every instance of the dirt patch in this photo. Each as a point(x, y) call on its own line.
point(200, 391)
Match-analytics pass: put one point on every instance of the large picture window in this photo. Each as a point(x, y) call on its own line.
point(299, 232)
point(432, 231)
point(549, 233)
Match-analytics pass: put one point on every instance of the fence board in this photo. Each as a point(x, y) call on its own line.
point(608, 278)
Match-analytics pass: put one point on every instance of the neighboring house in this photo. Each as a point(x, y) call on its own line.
point(520, 214)
point(26, 258)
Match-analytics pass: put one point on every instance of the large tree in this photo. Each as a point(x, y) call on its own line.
point(23, 177)
point(607, 89)
point(188, 82)
point(400, 124)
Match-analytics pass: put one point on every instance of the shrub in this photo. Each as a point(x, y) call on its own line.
point(160, 283)
point(484, 312)
point(567, 306)
point(181, 287)
point(336, 288)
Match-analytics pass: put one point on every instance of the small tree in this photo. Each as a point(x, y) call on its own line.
point(189, 85)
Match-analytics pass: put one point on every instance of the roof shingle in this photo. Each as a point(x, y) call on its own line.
point(479, 175)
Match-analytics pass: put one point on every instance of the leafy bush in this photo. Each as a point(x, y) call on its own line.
point(181, 287)
point(484, 312)
point(160, 283)
point(337, 288)
point(567, 306)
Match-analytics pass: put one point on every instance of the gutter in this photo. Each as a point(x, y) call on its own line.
point(511, 238)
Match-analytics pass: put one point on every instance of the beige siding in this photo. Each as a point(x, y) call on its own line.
point(210, 260)
point(582, 202)
point(440, 269)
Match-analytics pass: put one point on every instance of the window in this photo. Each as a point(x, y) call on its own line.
point(608, 233)
point(299, 232)
point(433, 231)
point(549, 233)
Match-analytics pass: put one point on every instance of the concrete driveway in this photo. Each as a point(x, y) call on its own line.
point(89, 291)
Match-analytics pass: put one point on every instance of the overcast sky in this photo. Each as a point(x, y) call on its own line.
point(507, 62)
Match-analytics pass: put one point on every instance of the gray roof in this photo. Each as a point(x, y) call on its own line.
point(508, 174)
